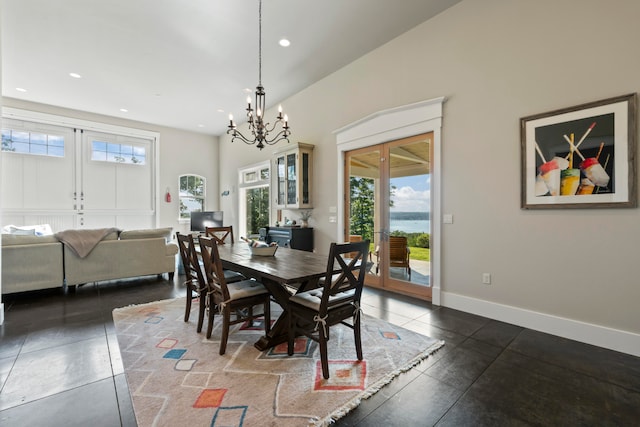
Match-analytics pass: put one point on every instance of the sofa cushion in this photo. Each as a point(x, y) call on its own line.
point(29, 230)
point(149, 233)
point(111, 236)
point(37, 230)
point(17, 239)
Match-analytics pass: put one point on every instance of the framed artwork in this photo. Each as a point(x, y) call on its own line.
point(580, 157)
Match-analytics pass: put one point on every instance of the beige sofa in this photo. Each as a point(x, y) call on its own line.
point(31, 262)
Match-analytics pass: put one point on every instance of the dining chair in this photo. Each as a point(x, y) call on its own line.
point(239, 297)
point(312, 313)
point(195, 282)
point(399, 253)
point(222, 235)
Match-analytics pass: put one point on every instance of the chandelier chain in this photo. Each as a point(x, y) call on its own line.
point(260, 44)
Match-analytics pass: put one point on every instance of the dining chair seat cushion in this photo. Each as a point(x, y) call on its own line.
point(312, 298)
point(244, 289)
point(233, 276)
point(229, 275)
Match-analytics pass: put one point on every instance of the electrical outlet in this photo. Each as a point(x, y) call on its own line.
point(486, 278)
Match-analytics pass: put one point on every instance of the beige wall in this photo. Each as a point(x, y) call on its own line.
point(181, 152)
point(497, 61)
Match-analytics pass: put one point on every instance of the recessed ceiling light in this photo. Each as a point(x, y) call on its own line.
point(220, 110)
point(200, 126)
point(284, 42)
point(19, 89)
point(124, 110)
point(247, 90)
point(75, 75)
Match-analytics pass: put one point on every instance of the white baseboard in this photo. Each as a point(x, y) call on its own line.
point(1, 313)
point(601, 336)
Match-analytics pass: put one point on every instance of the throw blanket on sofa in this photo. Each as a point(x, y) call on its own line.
point(82, 242)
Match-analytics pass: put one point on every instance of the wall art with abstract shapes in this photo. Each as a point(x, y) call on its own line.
point(580, 157)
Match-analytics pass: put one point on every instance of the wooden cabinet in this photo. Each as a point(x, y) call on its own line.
point(289, 237)
point(292, 176)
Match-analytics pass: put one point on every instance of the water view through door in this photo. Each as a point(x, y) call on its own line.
point(388, 187)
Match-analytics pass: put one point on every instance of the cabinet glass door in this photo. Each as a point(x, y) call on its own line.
point(280, 180)
point(305, 179)
point(292, 180)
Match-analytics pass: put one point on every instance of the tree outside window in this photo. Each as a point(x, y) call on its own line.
point(362, 204)
point(192, 194)
point(257, 209)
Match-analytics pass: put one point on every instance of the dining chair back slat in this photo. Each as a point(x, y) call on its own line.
point(221, 235)
point(194, 283)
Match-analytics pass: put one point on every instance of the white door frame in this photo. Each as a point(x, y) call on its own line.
point(388, 125)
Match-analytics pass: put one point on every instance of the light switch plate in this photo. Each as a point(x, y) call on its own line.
point(447, 218)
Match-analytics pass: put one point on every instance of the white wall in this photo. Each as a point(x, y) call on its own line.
point(181, 152)
point(569, 272)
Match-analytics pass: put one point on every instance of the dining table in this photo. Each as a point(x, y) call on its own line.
point(287, 272)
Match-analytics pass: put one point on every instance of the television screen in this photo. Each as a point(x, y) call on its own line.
point(201, 220)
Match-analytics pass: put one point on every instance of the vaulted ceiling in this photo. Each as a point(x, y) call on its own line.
point(187, 64)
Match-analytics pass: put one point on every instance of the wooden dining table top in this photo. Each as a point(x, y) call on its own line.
point(286, 266)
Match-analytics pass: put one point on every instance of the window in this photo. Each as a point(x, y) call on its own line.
point(254, 199)
point(118, 153)
point(25, 142)
point(192, 194)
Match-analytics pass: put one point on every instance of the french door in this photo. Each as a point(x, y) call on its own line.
point(388, 202)
point(116, 185)
point(72, 178)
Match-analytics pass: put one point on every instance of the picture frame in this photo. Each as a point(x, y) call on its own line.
point(580, 157)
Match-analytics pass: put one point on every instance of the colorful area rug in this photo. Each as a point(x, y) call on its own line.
point(176, 376)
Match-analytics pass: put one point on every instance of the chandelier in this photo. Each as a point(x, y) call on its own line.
point(261, 131)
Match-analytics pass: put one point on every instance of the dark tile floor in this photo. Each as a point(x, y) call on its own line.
point(60, 366)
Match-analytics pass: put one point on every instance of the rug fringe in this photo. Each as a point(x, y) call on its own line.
point(374, 388)
point(166, 301)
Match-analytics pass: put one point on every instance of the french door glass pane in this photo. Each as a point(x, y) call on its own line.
point(257, 205)
point(364, 199)
point(409, 212)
